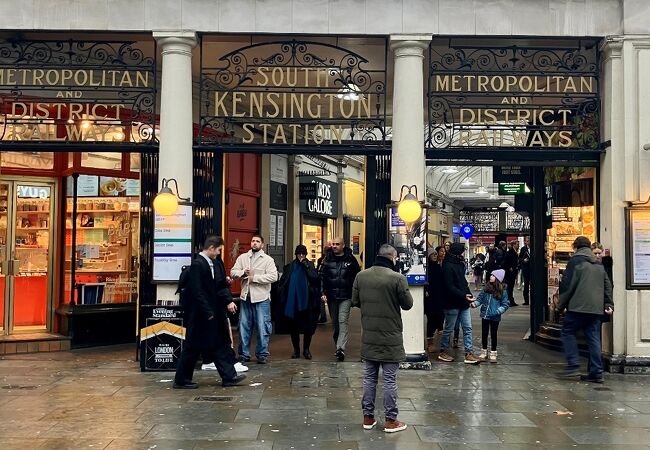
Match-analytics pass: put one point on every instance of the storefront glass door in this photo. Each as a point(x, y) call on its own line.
point(26, 243)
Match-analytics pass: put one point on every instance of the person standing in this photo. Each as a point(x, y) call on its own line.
point(510, 265)
point(382, 294)
point(493, 302)
point(300, 300)
point(586, 294)
point(208, 332)
point(257, 272)
point(524, 265)
point(326, 251)
point(337, 274)
point(432, 307)
point(456, 303)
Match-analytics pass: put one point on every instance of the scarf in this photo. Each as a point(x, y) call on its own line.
point(298, 294)
point(382, 261)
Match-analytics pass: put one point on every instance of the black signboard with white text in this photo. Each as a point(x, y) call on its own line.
point(162, 335)
point(318, 197)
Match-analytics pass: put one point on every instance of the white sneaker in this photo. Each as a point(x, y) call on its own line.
point(210, 366)
point(485, 355)
point(239, 367)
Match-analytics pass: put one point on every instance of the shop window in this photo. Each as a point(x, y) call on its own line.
point(27, 160)
point(105, 232)
point(134, 162)
point(101, 160)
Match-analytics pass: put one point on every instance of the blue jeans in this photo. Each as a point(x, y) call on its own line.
point(258, 315)
point(451, 315)
point(590, 326)
point(370, 378)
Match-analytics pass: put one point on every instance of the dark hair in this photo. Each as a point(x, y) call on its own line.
point(258, 236)
point(494, 288)
point(581, 241)
point(439, 247)
point(212, 241)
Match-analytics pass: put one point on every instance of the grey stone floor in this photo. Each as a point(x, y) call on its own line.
point(98, 398)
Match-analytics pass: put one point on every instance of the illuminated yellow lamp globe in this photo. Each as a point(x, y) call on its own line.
point(409, 209)
point(165, 203)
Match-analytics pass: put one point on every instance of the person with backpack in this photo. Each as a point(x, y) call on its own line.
point(207, 300)
point(493, 301)
point(586, 294)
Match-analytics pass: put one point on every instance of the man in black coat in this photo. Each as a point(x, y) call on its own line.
point(209, 301)
point(337, 274)
point(524, 265)
point(511, 266)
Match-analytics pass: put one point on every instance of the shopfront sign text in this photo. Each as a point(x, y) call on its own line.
point(318, 197)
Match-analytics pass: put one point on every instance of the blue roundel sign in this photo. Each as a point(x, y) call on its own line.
point(467, 230)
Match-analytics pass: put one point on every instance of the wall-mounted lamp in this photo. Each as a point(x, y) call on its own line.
point(409, 208)
point(646, 147)
point(166, 201)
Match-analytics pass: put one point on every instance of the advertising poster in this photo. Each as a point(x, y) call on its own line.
point(172, 243)
point(640, 246)
point(410, 241)
point(161, 338)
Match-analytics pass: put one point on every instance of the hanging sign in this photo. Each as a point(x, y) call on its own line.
point(318, 197)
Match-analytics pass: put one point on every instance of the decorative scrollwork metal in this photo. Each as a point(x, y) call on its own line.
point(74, 90)
point(296, 92)
point(527, 94)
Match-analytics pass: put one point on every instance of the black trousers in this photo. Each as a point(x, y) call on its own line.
point(526, 277)
point(490, 326)
point(435, 322)
point(295, 340)
point(222, 356)
point(510, 282)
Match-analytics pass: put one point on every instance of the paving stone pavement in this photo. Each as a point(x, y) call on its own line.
point(99, 399)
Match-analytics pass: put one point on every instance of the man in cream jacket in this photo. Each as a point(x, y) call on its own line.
point(257, 272)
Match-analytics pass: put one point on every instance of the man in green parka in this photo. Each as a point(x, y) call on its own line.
point(381, 293)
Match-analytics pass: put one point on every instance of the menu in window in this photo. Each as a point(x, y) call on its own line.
point(640, 224)
point(87, 186)
point(172, 240)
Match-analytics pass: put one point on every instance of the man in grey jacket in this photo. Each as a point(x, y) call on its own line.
point(381, 293)
point(586, 294)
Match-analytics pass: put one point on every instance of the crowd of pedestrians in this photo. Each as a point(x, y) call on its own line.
point(337, 283)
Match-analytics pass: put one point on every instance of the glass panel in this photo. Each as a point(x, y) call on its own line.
point(102, 160)
point(27, 160)
point(135, 162)
point(312, 238)
point(107, 246)
point(33, 221)
point(4, 252)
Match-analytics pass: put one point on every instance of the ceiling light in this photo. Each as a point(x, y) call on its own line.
point(468, 181)
point(449, 169)
point(481, 191)
point(510, 209)
point(504, 205)
point(349, 92)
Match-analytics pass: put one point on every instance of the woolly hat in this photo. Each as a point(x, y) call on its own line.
point(582, 241)
point(499, 274)
point(300, 250)
point(457, 248)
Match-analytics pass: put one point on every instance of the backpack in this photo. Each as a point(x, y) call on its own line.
point(183, 286)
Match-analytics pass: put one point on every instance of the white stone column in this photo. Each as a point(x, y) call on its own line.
point(175, 157)
point(408, 162)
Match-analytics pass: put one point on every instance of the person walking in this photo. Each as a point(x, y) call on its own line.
point(432, 306)
point(257, 272)
point(510, 265)
point(300, 300)
point(337, 274)
point(493, 301)
point(524, 265)
point(208, 302)
point(478, 267)
point(326, 251)
point(382, 294)
point(456, 303)
point(586, 294)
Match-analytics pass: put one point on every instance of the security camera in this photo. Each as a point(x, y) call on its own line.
point(646, 147)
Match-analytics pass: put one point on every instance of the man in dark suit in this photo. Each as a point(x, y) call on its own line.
point(524, 265)
point(209, 301)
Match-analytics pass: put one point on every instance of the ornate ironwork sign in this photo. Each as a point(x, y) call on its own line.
point(296, 92)
point(78, 91)
point(482, 221)
point(527, 94)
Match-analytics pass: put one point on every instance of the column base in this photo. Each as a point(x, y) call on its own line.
point(627, 364)
point(416, 361)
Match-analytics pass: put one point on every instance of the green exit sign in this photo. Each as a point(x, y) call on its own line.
point(513, 188)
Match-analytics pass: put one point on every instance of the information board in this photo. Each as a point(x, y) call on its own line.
point(172, 243)
point(638, 247)
point(162, 335)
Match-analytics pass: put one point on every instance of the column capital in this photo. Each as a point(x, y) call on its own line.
point(409, 44)
point(612, 47)
point(176, 42)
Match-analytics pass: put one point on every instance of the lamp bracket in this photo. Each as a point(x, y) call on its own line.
point(167, 181)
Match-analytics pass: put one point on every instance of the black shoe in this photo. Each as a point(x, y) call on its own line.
point(235, 381)
point(262, 360)
point(514, 304)
point(307, 354)
point(455, 343)
point(189, 385)
point(322, 320)
point(526, 303)
point(244, 359)
point(591, 379)
point(295, 354)
point(568, 374)
point(340, 355)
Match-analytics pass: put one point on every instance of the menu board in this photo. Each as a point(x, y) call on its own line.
point(172, 243)
point(87, 186)
point(639, 247)
point(569, 223)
